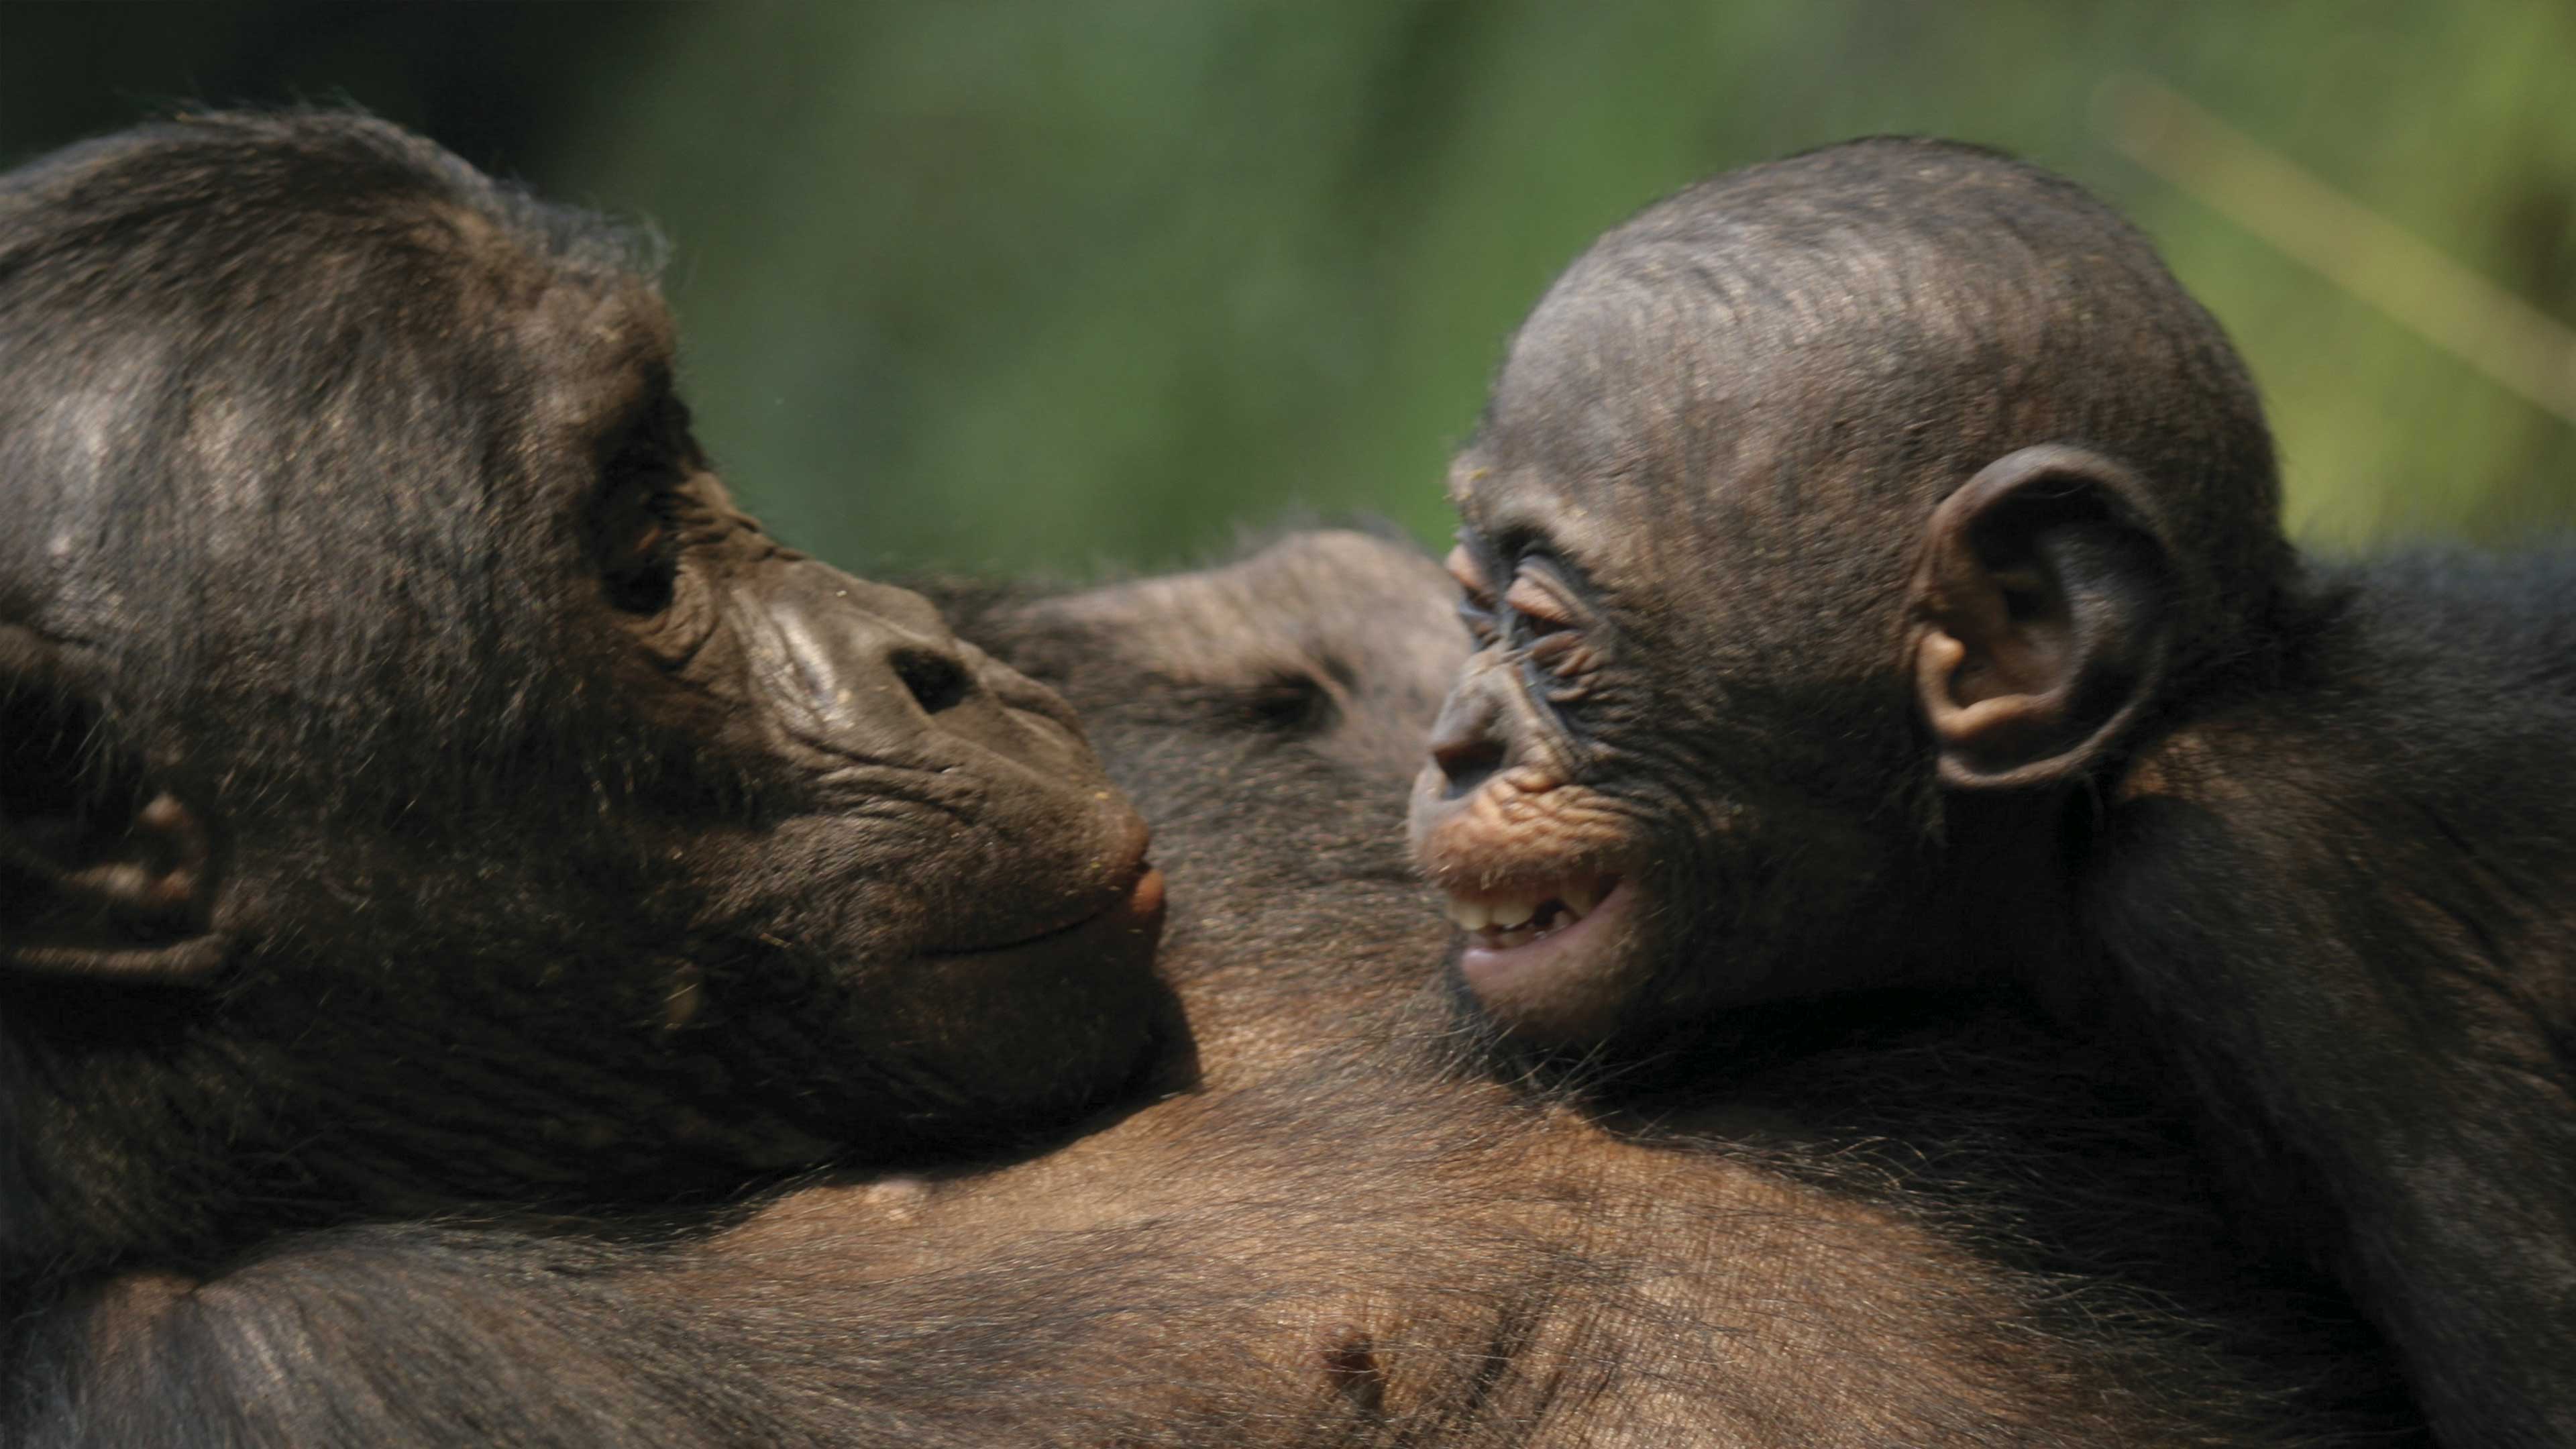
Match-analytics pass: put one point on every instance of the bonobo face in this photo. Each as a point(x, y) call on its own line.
point(1627, 803)
point(920, 816)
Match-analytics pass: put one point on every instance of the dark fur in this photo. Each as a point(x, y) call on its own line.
point(2301, 835)
point(2346, 906)
point(1935, 1228)
point(409, 795)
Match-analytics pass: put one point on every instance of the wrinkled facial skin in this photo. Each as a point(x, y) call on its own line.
point(1631, 817)
point(919, 814)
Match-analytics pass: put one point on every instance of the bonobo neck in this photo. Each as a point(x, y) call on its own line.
point(2004, 907)
point(110, 1152)
point(2235, 854)
point(2378, 840)
point(2339, 904)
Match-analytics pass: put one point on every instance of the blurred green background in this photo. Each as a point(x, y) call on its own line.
point(1029, 284)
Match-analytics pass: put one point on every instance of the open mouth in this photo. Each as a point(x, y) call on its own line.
point(1500, 923)
point(1527, 933)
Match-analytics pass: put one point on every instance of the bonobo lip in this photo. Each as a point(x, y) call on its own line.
point(1552, 929)
point(1131, 902)
point(1135, 918)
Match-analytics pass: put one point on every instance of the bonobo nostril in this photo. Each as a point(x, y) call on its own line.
point(1465, 756)
point(1467, 740)
point(937, 681)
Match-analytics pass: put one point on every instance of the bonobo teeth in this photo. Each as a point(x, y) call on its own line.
point(1501, 922)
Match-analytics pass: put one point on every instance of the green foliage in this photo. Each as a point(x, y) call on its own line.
point(1026, 284)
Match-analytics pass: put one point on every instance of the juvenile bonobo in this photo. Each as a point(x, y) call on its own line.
point(419, 785)
point(1875, 562)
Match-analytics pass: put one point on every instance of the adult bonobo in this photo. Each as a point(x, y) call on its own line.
point(421, 786)
point(1877, 565)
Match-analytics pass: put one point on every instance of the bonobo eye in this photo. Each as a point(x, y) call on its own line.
point(1543, 616)
point(1476, 596)
point(1289, 703)
point(637, 521)
point(639, 563)
point(1537, 602)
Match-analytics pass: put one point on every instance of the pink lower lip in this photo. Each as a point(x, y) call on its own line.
point(1489, 971)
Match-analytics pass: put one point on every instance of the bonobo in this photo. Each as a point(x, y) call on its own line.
point(1875, 562)
point(419, 785)
point(1342, 1239)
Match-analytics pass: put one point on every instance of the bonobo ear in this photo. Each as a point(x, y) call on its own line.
point(101, 874)
point(2042, 617)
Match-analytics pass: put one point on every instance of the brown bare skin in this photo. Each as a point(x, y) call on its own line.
point(1876, 564)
